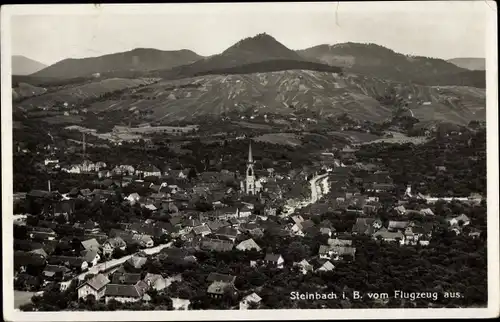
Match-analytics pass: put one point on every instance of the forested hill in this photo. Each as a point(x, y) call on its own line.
point(382, 62)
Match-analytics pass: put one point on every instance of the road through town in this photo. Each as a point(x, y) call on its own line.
point(116, 262)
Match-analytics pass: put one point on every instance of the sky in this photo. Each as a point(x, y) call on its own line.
point(444, 30)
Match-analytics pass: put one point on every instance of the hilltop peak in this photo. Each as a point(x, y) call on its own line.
point(263, 45)
point(138, 59)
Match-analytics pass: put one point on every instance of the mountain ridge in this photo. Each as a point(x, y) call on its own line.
point(375, 60)
point(22, 65)
point(138, 59)
point(250, 50)
point(470, 63)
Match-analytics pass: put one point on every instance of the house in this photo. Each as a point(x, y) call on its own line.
point(366, 226)
point(123, 170)
point(143, 240)
point(91, 256)
point(111, 244)
point(91, 244)
point(216, 245)
point(71, 262)
point(217, 277)
point(228, 213)
point(133, 198)
point(459, 220)
point(474, 233)
point(423, 242)
point(379, 187)
point(427, 212)
point(270, 211)
point(42, 233)
point(149, 170)
point(245, 212)
point(227, 232)
point(125, 278)
point(397, 225)
point(64, 207)
point(400, 210)
point(325, 252)
point(40, 252)
point(411, 236)
point(217, 289)
point(274, 259)
point(340, 251)
point(339, 242)
point(202, 230)
point(389, 236)
point(325, 267)
point(297, 219)
point(56, 272)
point(95, 286)
point(155, 281)
point(251, 299)
point(299, 228)
point(125, 293)
point(136, 261)
point(248, 244)
point(304, 266)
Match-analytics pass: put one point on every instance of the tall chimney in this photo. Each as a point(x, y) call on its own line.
point(49, 186)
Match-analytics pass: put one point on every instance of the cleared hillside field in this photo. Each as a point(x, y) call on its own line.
point(355, 137)
point(277, 93)
point(280, 138)
point(77, 93)
point(63, 119)
point(400, 138)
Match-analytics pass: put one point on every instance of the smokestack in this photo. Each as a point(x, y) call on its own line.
point(49, 185)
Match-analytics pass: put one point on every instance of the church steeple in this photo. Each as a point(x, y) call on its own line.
point(250, 157)
point(250, 176)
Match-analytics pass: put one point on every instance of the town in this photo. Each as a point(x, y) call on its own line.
point(221, 239)
point(249, 161)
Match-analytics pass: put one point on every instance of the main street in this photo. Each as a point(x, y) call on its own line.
point(316, 190)
point(116, 262)
point(316, 193)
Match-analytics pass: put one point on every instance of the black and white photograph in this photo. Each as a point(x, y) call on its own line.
point(242, 161)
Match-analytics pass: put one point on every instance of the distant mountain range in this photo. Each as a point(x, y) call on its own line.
point(25, 66)
point(263, 53)
point(262, 76)
point(469, 63)
point(140, 59)
point(253, 54)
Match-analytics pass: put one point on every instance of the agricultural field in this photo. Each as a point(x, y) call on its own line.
point(63, 119)
point(355, 137)
point(400, 138)
point(280, 138)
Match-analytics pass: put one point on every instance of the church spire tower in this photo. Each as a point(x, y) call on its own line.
point(250, 158)
point(250, 175)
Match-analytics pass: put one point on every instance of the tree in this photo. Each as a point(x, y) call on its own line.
point(192, 174)
point(296, 251)
point(61, 219)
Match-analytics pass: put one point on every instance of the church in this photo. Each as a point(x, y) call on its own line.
point(250, 185)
